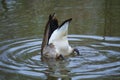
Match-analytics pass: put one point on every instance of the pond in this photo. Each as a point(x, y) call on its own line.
point(94, 31)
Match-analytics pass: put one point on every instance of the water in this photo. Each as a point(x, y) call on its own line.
point(99, 59)
point(94, 31)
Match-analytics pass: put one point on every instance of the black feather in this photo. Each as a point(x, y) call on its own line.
point(68, 20)
point(53, 26)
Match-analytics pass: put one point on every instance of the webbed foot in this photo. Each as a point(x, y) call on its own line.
point(61, 57)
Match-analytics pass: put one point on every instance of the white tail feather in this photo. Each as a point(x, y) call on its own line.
point(59, 33)
point(60, 40)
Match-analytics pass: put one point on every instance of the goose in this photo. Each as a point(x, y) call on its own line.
point(55, 42)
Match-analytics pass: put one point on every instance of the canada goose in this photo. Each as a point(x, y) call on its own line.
point(55, 42)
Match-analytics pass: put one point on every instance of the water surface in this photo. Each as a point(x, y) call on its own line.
point(94, 31)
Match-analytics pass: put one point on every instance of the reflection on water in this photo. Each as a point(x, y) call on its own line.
point(98, 58)
point(4, 5)
point(95, 31)
point(21, 18)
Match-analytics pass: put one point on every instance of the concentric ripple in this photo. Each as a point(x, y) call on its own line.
point(99, 58)
point(20, 56)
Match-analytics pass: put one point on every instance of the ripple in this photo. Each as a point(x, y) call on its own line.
point(17, 52)
point(97, 58)
point(110, 44)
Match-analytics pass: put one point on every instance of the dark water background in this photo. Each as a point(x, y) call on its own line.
point(94, 30)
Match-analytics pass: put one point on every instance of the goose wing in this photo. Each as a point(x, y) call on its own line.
point(52, 24)
point(60, 32)
point(59, 39)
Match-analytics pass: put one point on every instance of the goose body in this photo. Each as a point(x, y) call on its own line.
point(55, 42)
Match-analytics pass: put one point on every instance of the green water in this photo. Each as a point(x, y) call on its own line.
point(94, 30)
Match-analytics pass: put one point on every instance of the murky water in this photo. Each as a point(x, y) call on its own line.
point(95, 31)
